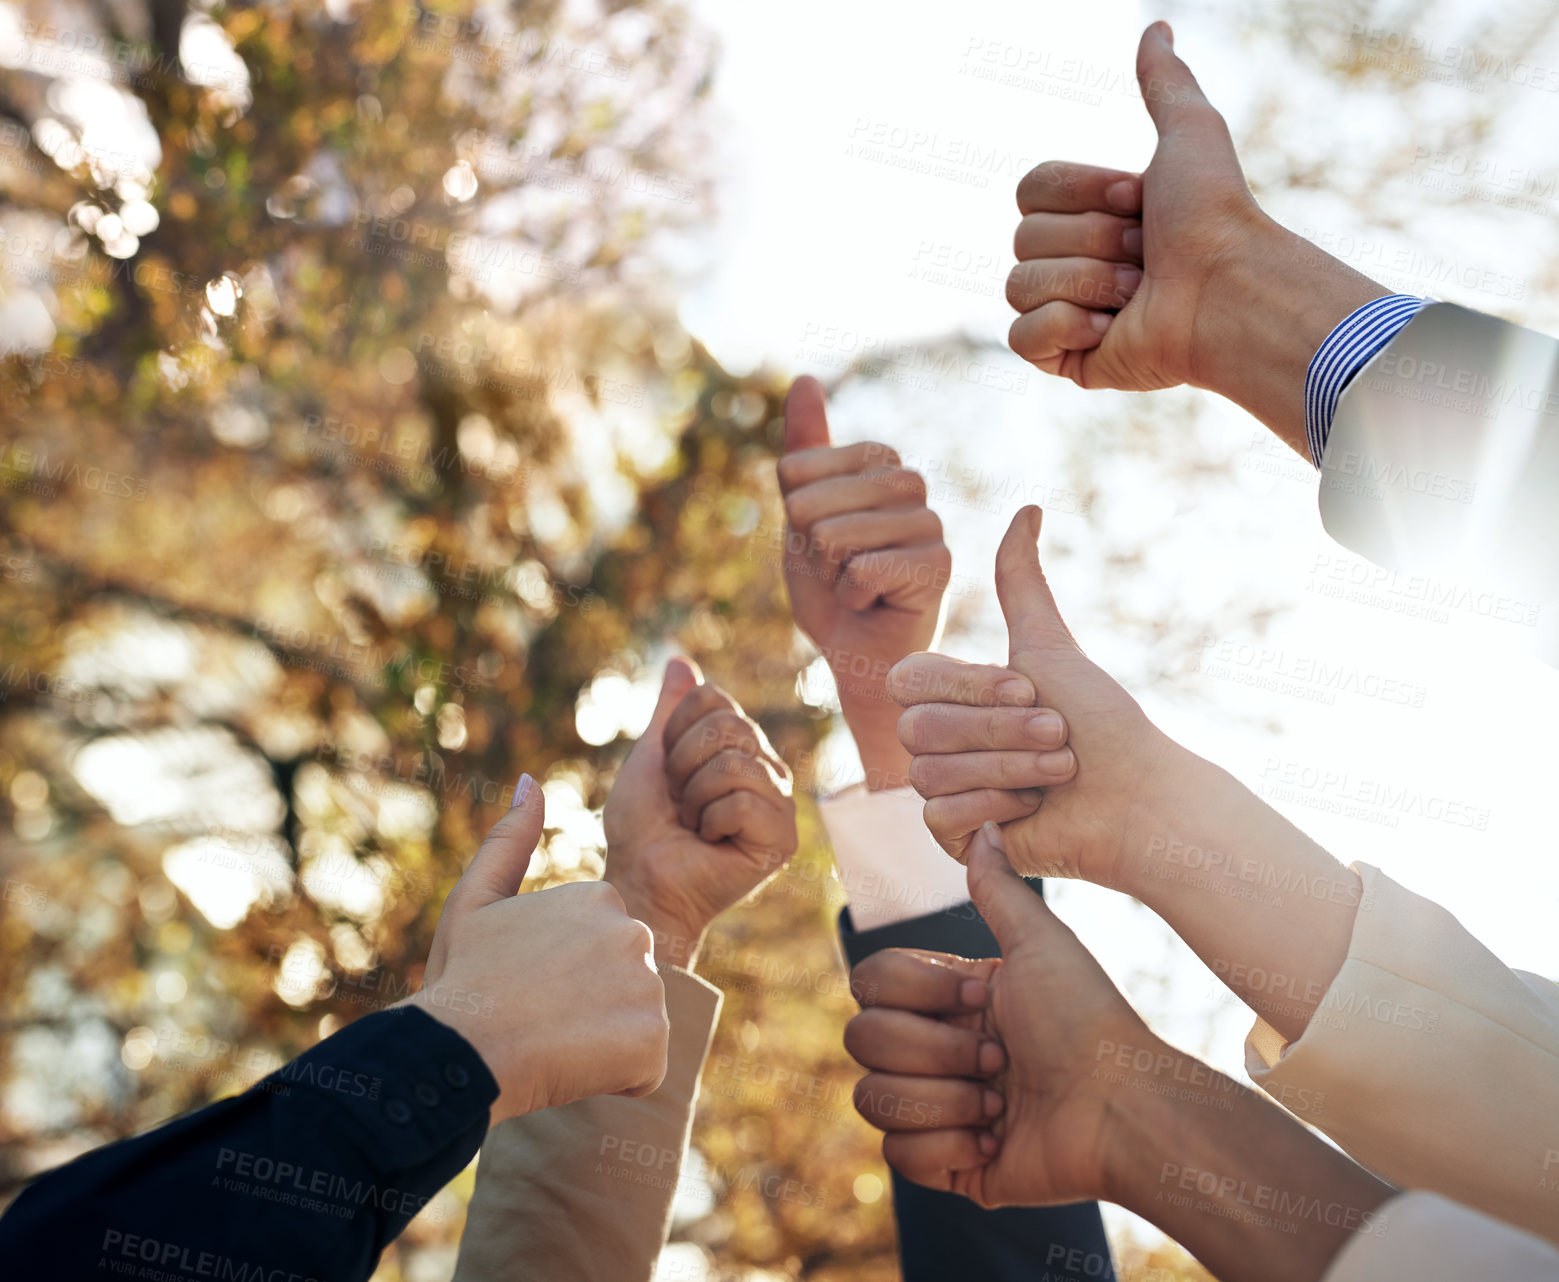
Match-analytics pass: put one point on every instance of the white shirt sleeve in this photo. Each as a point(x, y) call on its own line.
point(890, 864)
point(1429, 1238)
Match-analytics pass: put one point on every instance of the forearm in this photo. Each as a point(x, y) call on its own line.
point(873, 719)
point(1233, 1178)
point(1268, 910)
point(1272, 308)
point(544, 1178)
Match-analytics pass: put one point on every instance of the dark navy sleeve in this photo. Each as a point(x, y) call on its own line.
point(944, 1237)
point(305, 1177)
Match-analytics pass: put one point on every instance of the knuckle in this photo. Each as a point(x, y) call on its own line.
point(796, 510)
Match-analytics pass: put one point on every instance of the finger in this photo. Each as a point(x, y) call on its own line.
point(1034, 623)
point(931, 983)
point(899, 1041)
point(837, 538)
point(1093, 234)
point(883, 487)
point(952, 819)
point(939, 678)
point(941, 774)
point(696, 704)
point(898, 576)
point(724, 773)
point(1008, 903)
point(1048, 335)
point(1060, 187)
point(953, 727)
point(1169, 90)
point(931, 1157)
point(899, 1102)
point(806, 415)
point(753, 822)
point(498, 867)
point(1088, 282)
point(806, 466)
point(681, 675)
point(723, 730)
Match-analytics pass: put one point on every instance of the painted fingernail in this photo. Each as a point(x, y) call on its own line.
point(1058, 764)
point(988, 1144)
point(1047, 728)
point(521, 791)
point(1015, 692)
point(992, 1058)
point(992, 1103)
point(1126, 281)
point(1100, 321)
point(1122, 194)
point(994, 835)
point(972, 993)
point(1131, 241)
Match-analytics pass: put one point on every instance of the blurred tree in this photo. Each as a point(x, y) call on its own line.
point(354, 463)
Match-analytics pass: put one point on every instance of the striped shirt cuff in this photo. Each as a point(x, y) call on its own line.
point(1344, 354)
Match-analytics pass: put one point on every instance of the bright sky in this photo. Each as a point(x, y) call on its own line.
point(823, 246)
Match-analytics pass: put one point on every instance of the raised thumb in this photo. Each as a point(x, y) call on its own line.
point(1033, 621)
point(1169, 90)
point(806, 418)
point(681, 675)
point(499, 866)
point(1009, 904)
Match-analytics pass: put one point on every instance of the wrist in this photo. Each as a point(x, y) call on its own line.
point(874, 725)
point(477, 1028)
point(1264, 315)
point(678, 934)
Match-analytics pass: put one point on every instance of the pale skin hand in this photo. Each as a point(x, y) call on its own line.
point(556, 989)
point(867, 568)
point(699, 816)
point(1174, 275)
point(1143, 815)
point(1029, 1080)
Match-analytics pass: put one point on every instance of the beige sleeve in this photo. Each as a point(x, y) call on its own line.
point(1430, 1061)
point(1428, 1238)
point(583, 1193)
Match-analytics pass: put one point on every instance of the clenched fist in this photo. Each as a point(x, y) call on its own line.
point(700, 815)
